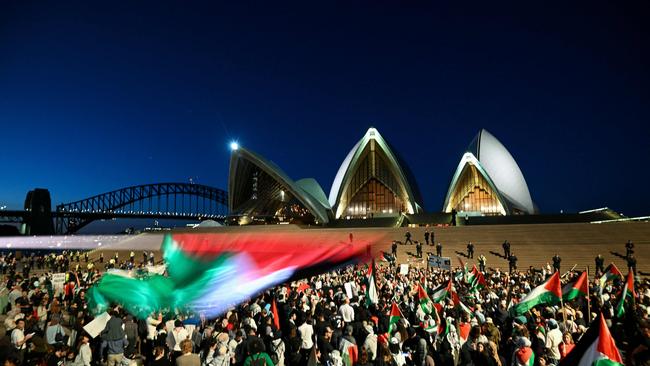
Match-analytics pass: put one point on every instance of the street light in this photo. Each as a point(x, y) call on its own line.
point(234, 145)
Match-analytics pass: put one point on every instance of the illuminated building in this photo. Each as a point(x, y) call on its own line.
point(488, 181)
point(260, 192)
point(373, 182)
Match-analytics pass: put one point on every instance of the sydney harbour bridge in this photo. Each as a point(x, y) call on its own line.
point(181, 201)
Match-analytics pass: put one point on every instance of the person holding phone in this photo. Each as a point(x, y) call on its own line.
point(19, 339)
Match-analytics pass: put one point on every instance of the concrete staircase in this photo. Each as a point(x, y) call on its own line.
point(535, 245)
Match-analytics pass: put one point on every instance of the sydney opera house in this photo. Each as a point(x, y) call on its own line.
point(374, 183)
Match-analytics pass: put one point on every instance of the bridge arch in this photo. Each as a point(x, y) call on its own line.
point(160, 200)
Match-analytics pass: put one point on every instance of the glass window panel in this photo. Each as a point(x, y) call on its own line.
point(474, 194)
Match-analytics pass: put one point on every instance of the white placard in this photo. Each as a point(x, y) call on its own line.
point(58, 280)
point(97, 325)
point(159, 269)
point(348, 289)
point(404, 269)
point(319, 285)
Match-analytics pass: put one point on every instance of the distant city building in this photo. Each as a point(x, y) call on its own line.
point(488, 181)
point(373, 182)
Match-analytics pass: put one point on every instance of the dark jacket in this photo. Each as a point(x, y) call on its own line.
point(115, 347)
point(113, 330)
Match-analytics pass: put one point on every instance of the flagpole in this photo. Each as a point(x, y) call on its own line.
point(508, 293)
point(563, 310)
point(588, 299)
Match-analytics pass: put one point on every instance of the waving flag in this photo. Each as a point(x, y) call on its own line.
point(425, 302)
point(457, 303)
point(547, 293)
point(371, 289)
point(442, 292)
point(479, 282)
point(577, 288)
point(386, 257)
point(471, 276)
point(595, 348)
point(394, 317)
point(611, 273)
point(628, 292)
point(303, 286)
point(276, 315)
point(208, 273)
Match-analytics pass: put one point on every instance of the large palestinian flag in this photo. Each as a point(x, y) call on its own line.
point(210, 272)
point(577, 288)
point(595, 348)
point(547, 293)
point(627, 293)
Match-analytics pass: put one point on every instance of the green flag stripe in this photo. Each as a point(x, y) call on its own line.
point(544, 298)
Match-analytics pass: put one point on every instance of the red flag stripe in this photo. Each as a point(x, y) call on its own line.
point(606, 343)
point(554, 285)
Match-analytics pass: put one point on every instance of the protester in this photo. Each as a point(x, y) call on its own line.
point(187, 358)
point(316, 318)
point(160, 357)
point(567, 345)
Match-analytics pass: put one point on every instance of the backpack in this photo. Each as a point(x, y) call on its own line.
point(60, 337)
point(257, 360)
point(273, 352)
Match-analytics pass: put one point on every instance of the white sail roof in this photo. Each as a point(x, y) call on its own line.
point(349, 163)
point(503, 170)
point(500, 169)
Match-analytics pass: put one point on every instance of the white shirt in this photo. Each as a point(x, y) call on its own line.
point(17, 336)
point(306, 333)
point(250, 322)
point(151, 327)
point(553, 340)
point(370, 344)
point(179, 334)
point(85, 355)
point(347, 313)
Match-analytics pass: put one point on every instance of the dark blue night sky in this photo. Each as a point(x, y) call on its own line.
point(96, 96)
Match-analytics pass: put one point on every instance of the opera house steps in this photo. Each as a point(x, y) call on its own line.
point(535, 245)
point(366, 223)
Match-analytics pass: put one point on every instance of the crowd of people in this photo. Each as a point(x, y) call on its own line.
point(328, 319)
